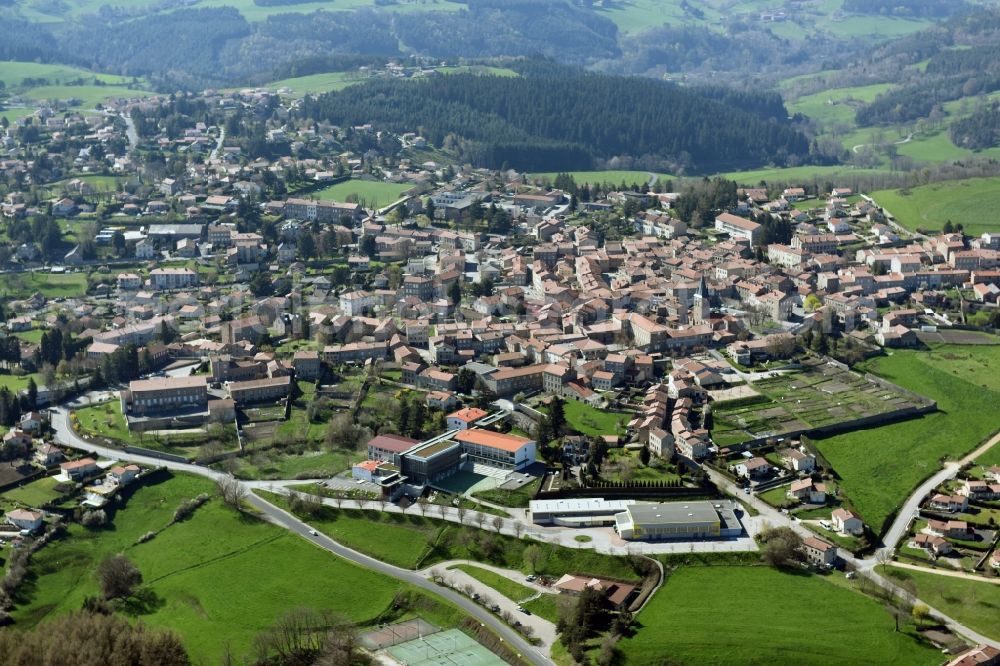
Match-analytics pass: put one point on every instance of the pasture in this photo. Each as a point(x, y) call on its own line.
point(776, 618)
point(879, 467)
point(972, 202)
point(196, 572)
point(50, 285)
point(316, 83)
point(371, 193)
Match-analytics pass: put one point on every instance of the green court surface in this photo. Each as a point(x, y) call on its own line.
point(445, 648)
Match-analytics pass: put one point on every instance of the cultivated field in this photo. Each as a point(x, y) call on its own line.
point(972, 202)
point(879, 467)
point(757, 615)
point(819, 396)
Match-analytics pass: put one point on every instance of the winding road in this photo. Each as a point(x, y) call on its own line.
point(59, 417)
point(516, 527)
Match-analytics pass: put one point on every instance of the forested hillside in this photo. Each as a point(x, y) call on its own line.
point(564, 120)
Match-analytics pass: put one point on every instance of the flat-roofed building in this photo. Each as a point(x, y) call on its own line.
point(431, 460)
point(164, 394)
point(577, 512)
point(495, 449)
point(677, 520)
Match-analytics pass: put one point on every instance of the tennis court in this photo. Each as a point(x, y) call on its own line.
point(444, 648)
point(400, 632)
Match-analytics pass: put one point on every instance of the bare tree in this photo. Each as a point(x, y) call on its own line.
point(461, 513)
point(480, 519)
point(422, 505)
point(381, 501)
point(338, 500)
point(497, 523)
point(232, 491)
point(518, 528)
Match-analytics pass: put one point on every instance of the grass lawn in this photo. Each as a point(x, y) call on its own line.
point(505, 586)
point(589, 420)
point(105, 420)
point(33, 336)
point(836, 105)
point(416, 542)
point(546, 606)
point(880, 466)
point(36, 493)
point(216, 577)
point(971, 602)
point(372, 192)
point(277, 464)
point(973, 202)
point(773, 617)
point(478, 69)
point(15, 383)
point(50, 285)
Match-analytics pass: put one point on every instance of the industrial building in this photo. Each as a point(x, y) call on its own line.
point(677, 520)
point(637, 520)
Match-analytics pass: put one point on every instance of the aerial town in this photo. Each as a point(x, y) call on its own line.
point(587, 381)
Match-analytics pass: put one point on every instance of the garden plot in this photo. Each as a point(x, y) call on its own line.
point(818, 397)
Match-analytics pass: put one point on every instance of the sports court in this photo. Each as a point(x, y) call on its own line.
point(444, 648)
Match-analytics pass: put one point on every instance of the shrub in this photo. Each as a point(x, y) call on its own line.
point(94, 519)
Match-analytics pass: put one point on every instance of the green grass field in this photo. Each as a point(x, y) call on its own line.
point(104, 420)
point(372, 193)
point(880, 466)
point(316, 83)
point(589, 420)
point(505, 586)
point(972, 202)
point(34, 494)
point(279, 465)
point(974, 604)
point(478, 69)
point(757, 615)
point(13, 73)
point(837, 104)
point(15, 383)
point(802, 174)
point(50, 285)
point(216, 577)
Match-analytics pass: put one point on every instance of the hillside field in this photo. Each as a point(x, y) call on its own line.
point(972, 202)
point(615, 177)
point(880, 466)
point(756, 615)
point(199, 571)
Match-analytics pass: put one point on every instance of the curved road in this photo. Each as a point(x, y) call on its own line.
point(65, 436)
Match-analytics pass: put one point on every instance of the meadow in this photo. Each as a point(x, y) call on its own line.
point(50, 285)
point(198, 572)
point(972, 202)
point(589, 420)
point(973, 603)
point(797, 175)
point(372, 192)
point(879, 467)
point(757, 615)
point(15, 383)
point(97, 87)
point(315, 83)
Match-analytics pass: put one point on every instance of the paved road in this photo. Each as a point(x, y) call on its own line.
point(901, 525)
point(65, 436)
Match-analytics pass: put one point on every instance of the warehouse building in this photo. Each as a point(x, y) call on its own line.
point(677, 520)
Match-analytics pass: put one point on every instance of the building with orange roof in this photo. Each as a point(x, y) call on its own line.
point(495, 449)
point(464, 418)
